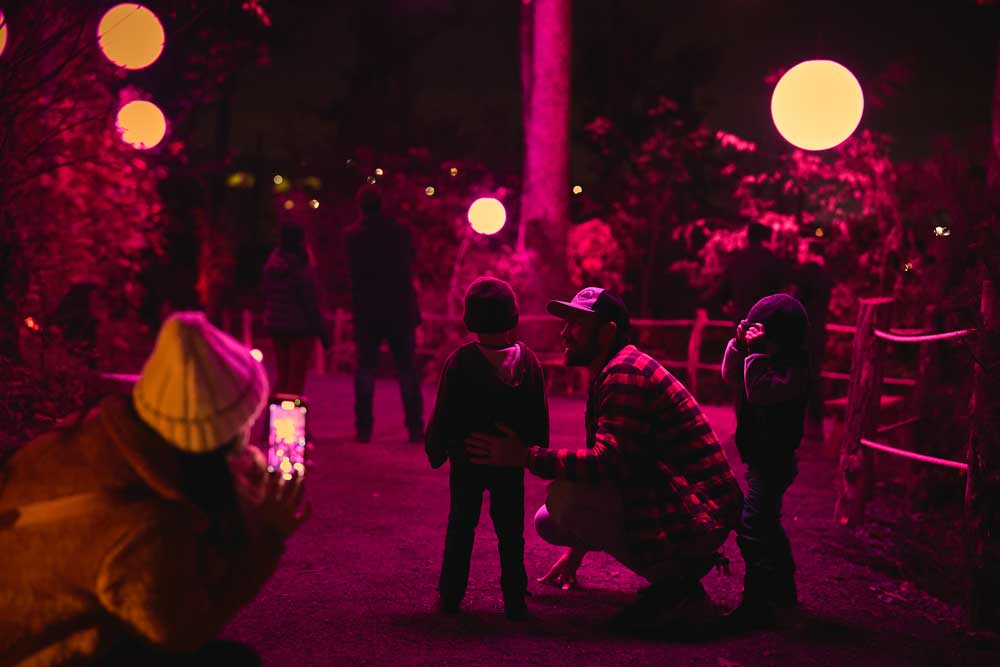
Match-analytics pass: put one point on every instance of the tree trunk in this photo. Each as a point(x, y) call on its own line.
point(545, 186)
point(982, 491)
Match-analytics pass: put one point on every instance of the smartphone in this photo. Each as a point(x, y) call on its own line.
point(286, 435)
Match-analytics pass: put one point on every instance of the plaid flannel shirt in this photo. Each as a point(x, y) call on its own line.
point(647, 433)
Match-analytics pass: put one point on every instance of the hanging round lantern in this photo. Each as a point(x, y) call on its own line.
point(130, 36)
point(487, 215)
point(141, 124)
point(817, 105)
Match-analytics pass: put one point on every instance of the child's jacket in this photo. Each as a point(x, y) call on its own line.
point(771, 406)
point(481, 387)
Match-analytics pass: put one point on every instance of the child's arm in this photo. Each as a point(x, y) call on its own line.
point(768, 383)
point(438, 434)
point(732, 363)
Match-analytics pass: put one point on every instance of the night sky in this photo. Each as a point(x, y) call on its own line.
point(445, 73)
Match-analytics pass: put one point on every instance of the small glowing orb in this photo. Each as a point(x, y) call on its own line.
point(278, 179)
point(240, 179)
point(3, 33)
point(31, 323)
point(299, 467)
point(577, 189)
point(288, 405)
point(257, 354)
point(130, 36)
point(289, 204)
point(487, 215)
point(378, 171)
point(453, 171)
point(371, 180)
point(141, 124)
point(942, 231)
point(817, 105)
point(908, 266)
point(313, 203)
point(819, 232)
point(429, 191)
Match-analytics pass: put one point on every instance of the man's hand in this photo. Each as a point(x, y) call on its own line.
point(507, 450)
point(563, 571)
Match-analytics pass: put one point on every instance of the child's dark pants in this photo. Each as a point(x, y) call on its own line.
point(506, 487)
point(763, 543)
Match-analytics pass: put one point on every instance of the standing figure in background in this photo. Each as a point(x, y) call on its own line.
point(77, 322)
point(752, 273)
point(291, 309)
point(381, 255)
point(813, 286)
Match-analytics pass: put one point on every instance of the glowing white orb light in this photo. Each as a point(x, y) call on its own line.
point(257, 354)
point(3, 33)
point(487, 215)
point(141, 124)
point(130, 36)
point(817, 105)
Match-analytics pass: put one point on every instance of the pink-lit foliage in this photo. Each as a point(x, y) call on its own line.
point(594, 256)
point(82, 205)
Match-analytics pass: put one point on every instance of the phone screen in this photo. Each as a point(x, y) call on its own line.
point(286, 436)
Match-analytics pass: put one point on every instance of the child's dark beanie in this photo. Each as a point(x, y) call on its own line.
point(784, 319)
point(490, 306)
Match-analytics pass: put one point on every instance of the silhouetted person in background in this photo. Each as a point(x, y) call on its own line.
point(752, 273)
point(813, 286)
point(77, 322)
point(381, 255)
point(291, 309)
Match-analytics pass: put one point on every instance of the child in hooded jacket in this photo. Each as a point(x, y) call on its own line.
point(769, 362)
point(493, 384)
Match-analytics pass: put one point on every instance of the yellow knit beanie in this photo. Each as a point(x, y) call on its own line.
point(199, 387)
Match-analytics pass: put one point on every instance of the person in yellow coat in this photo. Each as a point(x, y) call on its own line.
point(134, 534)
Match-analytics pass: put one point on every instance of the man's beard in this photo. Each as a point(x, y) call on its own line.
point(583, 352)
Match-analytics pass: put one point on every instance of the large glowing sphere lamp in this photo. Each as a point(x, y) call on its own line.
point(487, 215)
point(130, 36)
point(817, 105)
point(3, 33)
point(141, 124)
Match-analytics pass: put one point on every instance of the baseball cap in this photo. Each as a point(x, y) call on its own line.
point(595, 301)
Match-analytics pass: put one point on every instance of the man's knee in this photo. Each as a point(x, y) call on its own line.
point(549, 530)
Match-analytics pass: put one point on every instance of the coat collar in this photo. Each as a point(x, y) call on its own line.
point(153, 458)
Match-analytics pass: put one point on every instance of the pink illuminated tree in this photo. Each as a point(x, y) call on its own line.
point(545, 73)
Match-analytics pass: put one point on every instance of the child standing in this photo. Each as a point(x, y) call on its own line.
point(769, 362)
point(495, 381)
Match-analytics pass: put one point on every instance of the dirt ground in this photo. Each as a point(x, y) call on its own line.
point(357, 583)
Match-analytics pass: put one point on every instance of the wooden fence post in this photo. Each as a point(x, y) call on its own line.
point(694, 349)
point(863, 403)
point(982, 484)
